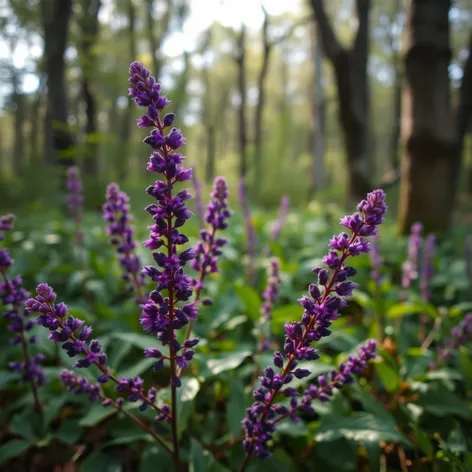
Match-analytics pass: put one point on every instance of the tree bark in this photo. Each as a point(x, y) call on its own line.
point(241, 62)
point(350, 69)
point(18, 101)
point(56, 16)
point(89, 34)
point(428, 126)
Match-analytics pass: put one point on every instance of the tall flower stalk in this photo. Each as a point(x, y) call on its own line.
point(13, 297)
point(168, 308)
point(321, 308)
point(459, 336)
point(75, 201)
point(197, 187)
point(250, 231)
point(280, 223)
point(410, 270)
point(116, 214)
point(376, 275)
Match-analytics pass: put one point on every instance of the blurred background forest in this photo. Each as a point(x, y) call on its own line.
point(304, 98)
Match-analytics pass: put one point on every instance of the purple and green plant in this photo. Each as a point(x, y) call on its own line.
point(250, 230)
point(13, 296)
point(121, 236)
point(280, 223)
point(75, 201)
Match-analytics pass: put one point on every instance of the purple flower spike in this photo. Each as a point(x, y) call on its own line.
point(208, 249)
point(75, 200)
point(410, 266)
point(77, 384)
point(377, 262)
point(427, 267)
point(460, 335)
point(250, 231)
point(279, 224)
point(116, 214)
point(321, 307)
point(197, 186)
point(270, 297)
point(13, 297)
point(167, 308)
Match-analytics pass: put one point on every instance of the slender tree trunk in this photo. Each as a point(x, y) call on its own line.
point(241, 61)
point(18, 100)
point(258, 119)
point(318, 110)
point(89, 35)
point(350, 69)
point(428, 128)
point(56, 16)
point(155, 40)
point(128, 113)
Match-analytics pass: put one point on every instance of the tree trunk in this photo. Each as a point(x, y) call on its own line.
point(89, 35)
point(18, 100)
point(428, 127)
point(128, 113)
point(56, 16)
point(318, 110)
point(241, 61)
point(350, 69)
point(258, 119)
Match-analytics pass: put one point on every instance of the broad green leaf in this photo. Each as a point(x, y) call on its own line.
point(285, 313)
point(22, 425)
point(339, 454)
point(13, 449)
point(202, 460)
point(185, 397)
point(228, 362)
point(418, 308)
point(236, 405)
point(389, 377)
point(152, 456)
point(69, 432)
point(362, 427)
point(138, 368)
point(250, 298)
point(289, 428)
point(139, 340)
point(96, 414)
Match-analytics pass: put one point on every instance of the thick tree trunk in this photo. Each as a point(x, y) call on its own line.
point(89, 35)
point(350, 68)
point(428, 126)
point(242, 141)
point(56, 16)
point(123, 163)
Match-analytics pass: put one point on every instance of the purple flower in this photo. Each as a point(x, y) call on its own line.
point(116, 214)
point(167, 308)
point(270, 297)
point(75, 200)
point(13, 297)
point(197, 186)
point(377, 262)
point(208, 249)
point(77, 384)
point(321, 308)
point(279, 224)
point(427, 267)
point(250, 231)
point(410, 266)
point(460, 335)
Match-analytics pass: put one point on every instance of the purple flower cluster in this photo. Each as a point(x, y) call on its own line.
point(377, 262)
point(410, 266)
point(77, 384)
point(250, 231)
point(208, 249)
point(460, 335)
point(279, 224)
point(197, 186)
point(75, 199)
point(321, 308)
point(69, 331)
point(13, 297)
point(161, 314)
point(116, 214)
point(427, 267)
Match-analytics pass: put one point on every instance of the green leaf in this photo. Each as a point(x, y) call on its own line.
point(137, 369)
point(6, 376)
point(418, 308)
point(153, 455)
point(250, 298)
point(236, 405)
point(96, 414)
point(69, 432)
point(22, 425)
point(440, 401)
point(340, 454)
point(283, 314)
point(139, 340)
point(362, 427)
point(202, 460)
point(185, 397)
point(228, 362)
point(295, 430)
point(102, 462)
point(13, 449)
point(389, 377)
